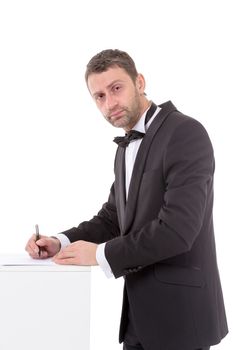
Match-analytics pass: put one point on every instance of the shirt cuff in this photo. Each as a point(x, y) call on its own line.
point(64, 240)
point(102, 261)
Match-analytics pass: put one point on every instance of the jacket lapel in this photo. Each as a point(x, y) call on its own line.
point(120, 185)
point(129, 210)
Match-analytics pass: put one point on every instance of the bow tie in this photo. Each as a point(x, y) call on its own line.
point(123, 141)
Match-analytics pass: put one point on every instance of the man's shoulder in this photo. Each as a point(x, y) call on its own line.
point(181, 125)
point(179, 119)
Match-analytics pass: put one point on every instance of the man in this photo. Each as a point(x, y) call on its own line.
point(156, 228)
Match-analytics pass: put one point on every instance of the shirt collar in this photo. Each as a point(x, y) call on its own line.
point(140, 125)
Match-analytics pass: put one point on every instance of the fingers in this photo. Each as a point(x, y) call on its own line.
point(78, 253)
point(43, 254)
point(65, 254)
point(65, 261)
point(37, 249)
point(32, 248)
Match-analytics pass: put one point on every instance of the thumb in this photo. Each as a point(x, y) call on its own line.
point(42, 242)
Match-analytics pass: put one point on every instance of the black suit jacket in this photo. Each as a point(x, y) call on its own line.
point(162, 239)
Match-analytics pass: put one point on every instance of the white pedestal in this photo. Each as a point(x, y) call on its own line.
point(44, 307)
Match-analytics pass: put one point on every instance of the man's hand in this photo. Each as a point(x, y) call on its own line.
point(49, 247)
point(77, 253)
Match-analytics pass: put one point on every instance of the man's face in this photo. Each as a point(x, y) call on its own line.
point(119, 99)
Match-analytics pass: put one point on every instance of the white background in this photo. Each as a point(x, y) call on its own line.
point(49, 174)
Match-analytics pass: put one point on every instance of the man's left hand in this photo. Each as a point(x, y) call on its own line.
point(77, 253)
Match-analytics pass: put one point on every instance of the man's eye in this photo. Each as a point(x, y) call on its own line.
point(99, 97)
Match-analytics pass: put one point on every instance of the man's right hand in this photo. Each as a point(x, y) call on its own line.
point(49, 247)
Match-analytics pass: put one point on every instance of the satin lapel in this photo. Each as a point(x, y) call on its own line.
point(140, 161)
point(120, 185)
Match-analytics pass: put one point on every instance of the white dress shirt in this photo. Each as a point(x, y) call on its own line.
point(130, 156)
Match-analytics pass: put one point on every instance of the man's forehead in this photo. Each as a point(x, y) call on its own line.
point(106, 79)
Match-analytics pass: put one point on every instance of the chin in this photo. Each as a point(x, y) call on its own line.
point(121, 123)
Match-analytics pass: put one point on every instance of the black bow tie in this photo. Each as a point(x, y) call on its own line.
point(123, 141)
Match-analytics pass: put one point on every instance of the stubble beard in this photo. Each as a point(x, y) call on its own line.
point(130, 117)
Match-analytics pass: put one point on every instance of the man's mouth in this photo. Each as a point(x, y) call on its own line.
point(116, 115)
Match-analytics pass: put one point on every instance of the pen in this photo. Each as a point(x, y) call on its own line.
point(38, 237)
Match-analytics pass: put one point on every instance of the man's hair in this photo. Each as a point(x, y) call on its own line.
point(106, 59)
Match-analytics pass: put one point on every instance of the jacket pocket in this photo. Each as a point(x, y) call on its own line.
point(179, 275)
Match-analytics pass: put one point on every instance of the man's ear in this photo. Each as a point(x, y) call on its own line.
point(140, 84)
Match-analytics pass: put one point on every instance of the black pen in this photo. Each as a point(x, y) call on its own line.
point(38, 237)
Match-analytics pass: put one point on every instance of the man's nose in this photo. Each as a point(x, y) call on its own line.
point(110, 102)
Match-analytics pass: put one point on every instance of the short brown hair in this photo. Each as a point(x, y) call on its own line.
point(106, 59)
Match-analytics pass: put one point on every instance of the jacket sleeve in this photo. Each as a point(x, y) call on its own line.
point(188, 166)
point(101, 228)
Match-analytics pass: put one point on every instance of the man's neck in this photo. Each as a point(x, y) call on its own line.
point(145, 105)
